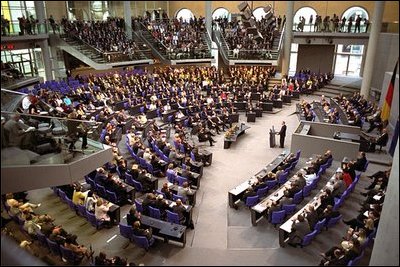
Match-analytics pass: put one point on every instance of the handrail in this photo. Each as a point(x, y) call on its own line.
point(218, 35)
point(281, 39)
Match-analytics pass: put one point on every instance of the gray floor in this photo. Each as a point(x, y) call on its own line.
point(222, 236)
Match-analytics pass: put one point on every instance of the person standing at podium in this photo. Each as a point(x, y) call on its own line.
point(282, 134)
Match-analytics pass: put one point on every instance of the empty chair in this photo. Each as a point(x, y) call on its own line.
point(143, 163)
point(298, 197)
point(70, 256)
point(251, 201)
point(318, 226)
point(143, 242)
point(283, 177)
point(308, 238)
point(278, 217)
point(42, 239)
point(172, 217)
point(289, 208)
point(138, 186)
point(307, 189)
point(338, 203)
point(271, 184)
point(261, 192)
point(155, 213)
point(333, 221)
point(126, 231)
point(63, 196)
point(139, 206)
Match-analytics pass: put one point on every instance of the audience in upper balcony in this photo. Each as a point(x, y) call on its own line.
point(179, 38)
point(106, 36)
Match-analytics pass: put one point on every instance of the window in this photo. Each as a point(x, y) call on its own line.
point(185, 14)
point(305, 12)
point(293, 59)
point(354, 12)
point(221, 13)
point(348, 60)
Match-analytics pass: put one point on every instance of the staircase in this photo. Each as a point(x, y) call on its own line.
point(332, 90)
point(90, 56)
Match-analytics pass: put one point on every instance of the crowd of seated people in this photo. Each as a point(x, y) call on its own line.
point(34, 223)
point(363, 227)
point(106, 36)
point(249, 45)
point(180, 38)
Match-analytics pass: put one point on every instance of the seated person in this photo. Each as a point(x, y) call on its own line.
point(300, 228)
point(185, 191)
point(101, 211)
point(180, 210)
point(359, 164)
point(204, 135)
point(166, 191)
point(139, 231)
point(275, 206)
point(133, 215)
point(381, 140)
point(80, 250)
point(78, 197)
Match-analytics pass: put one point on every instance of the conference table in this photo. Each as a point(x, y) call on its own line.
point(166, 230)
point(286, 228)
point(190, 196)
point(236, 194)
point(228, 141)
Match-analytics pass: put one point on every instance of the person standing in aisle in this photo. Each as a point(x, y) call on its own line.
point(282, 134)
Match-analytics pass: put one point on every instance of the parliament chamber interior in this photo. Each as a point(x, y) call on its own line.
point(199, 133)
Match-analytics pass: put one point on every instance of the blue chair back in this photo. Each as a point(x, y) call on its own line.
point(176, 197)
point(126, 231)
point(308, 238)
point(138, 185)
point(271, 184)
point(172, 217)
point(283, 177)
point(355, 261)
point(319, 225)
point(142, 241)
point(252, 201)
point(307, 190)
point(101, 190)
point(139, 206)
point(93, 220)
point(298, 197)
point(112, 196)
point(129, 179)
point(155, 213)
point(289, 208)
point(181, 180)
point(261, 192)
point(298, 154)
point(81, 210)
point(171, 176)
point(278, 217)
point(333, 221)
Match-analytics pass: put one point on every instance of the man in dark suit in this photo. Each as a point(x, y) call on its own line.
point(380, 141)
point(282, 134)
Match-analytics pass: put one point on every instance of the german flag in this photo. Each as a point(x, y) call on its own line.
point(385, 114)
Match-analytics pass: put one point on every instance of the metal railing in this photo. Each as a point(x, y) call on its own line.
point(15, 30)
point(323, 27)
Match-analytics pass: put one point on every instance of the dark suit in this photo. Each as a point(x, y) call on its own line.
point(282, 134)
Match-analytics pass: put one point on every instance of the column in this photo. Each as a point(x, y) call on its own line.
point(44, 46)
point(208, 17)
point(128, 19)
point(40, 16)
point(39, 9)
point(372, 46)
point(288, 37)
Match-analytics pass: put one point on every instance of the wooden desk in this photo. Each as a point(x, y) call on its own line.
point(166, 230)
point(236, 193)
point(242, 129)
